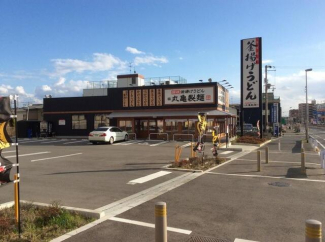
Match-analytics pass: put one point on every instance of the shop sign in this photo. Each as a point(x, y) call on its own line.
point(152, 97)
point(138, 98)
point(198, 95)
point(125, 99)
point(159, 97)
point(251, 72)
point(274, 113)
point(132, 98)
point(145, 97)
point(61, 121)
point(221, 96)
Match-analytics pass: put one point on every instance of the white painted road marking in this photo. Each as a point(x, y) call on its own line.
point(48, 142)
point(226, 152)
point(164, 142)
point(56, 157)
point(260, 176)
point(39, 153)
point(186, 145)
point(288, 162)
point(25, 142)
point(149, 177)
point(244, 240)
point(128, 143)
point(72, 142)
point(8, 151)
point(128, 221)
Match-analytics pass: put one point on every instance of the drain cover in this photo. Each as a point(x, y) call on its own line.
point(197, 238)
point(279, 184)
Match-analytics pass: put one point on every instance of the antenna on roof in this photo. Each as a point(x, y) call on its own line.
point(130, 65)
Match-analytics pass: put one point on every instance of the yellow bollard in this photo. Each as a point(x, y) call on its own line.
point(303, 163)
point(161, 222)
point(16, 197)
point(313, 231)
point(258, 160)
point(267, 155)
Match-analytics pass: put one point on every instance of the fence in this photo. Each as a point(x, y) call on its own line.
point(183, 135)
point(159, 135)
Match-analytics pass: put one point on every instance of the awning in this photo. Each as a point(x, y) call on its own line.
point(155, 114)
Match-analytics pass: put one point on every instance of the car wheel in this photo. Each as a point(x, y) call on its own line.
point(111, 140)
point(126, 137)
point(94, 143)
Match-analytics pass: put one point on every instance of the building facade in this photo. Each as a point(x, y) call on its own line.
point(165, 108)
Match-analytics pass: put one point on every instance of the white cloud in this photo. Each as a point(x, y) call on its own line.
point(134, 51)
point(291, 88)
point(101, 62)
point(267, 61)
point(60, 81)
point(150, 60)
point(20, 90)
point(46, 88)
point(5, 89)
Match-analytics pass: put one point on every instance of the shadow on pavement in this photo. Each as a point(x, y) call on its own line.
point(295, 173)
point(297, 147)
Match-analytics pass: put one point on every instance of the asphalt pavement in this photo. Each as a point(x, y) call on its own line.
point(232, 201)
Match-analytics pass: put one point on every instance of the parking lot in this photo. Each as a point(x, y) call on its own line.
point(80, 174)
point(126, 179)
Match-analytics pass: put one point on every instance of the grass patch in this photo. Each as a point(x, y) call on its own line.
point(197, 163)
point(250, 140)
point(39, 224)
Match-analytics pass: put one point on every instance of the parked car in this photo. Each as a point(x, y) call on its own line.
point(108, 134)
point(248, 127)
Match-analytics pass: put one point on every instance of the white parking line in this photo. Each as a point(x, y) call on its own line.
point(39, 153)
point(74, 142)
point(32, 141)
point(260, 176)
point(149, 177)
point(244, 240)
point(128, 221)
point(56, 141)
point(164, 142)
point(8, 151)
point(226, 152)
point(56, 157)
point(128, 143)
point(186, 145)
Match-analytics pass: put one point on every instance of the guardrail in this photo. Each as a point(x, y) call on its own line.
point(160, 134)
point(135, 135)
point(183, 135)
point(316, 144)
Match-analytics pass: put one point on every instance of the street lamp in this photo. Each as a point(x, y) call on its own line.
point(267, 86)
point(307, 114)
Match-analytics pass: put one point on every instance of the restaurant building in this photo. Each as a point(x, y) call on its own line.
point(151, 108)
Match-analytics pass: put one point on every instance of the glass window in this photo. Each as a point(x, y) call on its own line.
point(101, 129)
point(143, 125)
point(101, 120)
point(79, 122)
point(191, 126)
point(126, 125)
point(160, 125)
point(171, 125)
point(152, 125)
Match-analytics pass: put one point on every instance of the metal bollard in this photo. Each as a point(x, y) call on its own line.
point(258, 160)
point(267, 155)
point(161, 222)
point(279, 146)
point(302, 150)
point(303, 163)
point(313, 231)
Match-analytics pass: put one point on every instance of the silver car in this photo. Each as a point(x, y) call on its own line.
point(108, 134)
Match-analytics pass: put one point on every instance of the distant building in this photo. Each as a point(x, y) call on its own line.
point(302, 112)
point(293, 116)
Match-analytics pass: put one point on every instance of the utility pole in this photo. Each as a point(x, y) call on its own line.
point(266, 101)
point(307, 111)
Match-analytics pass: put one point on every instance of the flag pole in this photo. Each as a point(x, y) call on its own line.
point(17, 164)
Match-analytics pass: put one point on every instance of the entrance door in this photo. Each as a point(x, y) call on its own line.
point(141, 128)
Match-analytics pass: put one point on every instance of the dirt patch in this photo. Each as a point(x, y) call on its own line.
point(198, 163)
point(250, 140)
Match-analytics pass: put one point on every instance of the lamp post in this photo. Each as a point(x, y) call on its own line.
point(266, 99)
point(307, 114)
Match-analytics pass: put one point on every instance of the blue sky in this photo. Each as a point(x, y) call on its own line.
point(55, 47)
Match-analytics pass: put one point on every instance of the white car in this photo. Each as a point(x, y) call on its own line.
point(107, 134)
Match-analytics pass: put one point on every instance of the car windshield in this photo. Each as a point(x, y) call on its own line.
point(101, 129)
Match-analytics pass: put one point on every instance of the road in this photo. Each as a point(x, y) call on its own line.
point(318, 133)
